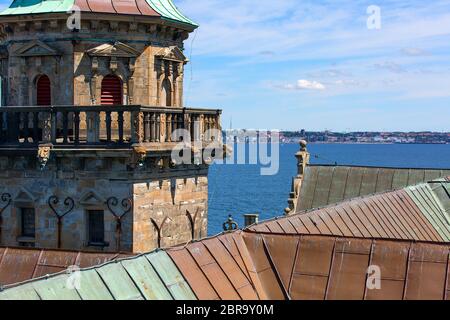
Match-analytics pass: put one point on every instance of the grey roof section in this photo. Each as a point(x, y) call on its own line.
point(326, 185)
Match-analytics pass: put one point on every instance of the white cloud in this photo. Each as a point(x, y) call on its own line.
point(304, 85)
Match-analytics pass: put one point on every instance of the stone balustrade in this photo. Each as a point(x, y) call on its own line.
point(103, 127)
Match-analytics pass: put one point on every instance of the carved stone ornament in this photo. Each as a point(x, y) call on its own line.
point(43, 155)
point(113, 65)
point(138, 157)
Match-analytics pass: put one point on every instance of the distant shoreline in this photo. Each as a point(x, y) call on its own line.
point(361, 143)
point(374, 143)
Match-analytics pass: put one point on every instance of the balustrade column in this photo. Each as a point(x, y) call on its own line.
point(26, 129)
point(47, 127)
point(158, 128)
point(153, 128)
point(147, 126)
point(169, 127)
point(36, 137)
point(137, 127)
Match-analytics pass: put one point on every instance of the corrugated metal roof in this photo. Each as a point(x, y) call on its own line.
point(336, 268)
point(156, 8)
point(325, 185)
point(250, 265)
point(214, 268)
point(20, 264)
point(414, 213)
point(151, 276)
point(400, 235)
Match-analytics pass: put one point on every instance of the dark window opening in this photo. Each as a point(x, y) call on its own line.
point(111, 94)
point(44, 93)
point(28, 223)
point(96, 228)
point(166, 94)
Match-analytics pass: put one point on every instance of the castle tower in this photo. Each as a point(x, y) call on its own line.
point(91, 98)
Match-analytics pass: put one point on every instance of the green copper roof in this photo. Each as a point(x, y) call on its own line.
point(19, 7)
point(169, 11)
point(152, 276)
point(166, 9)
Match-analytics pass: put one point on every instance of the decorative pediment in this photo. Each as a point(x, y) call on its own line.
point(36, 48)
point(117, 49)
point(24, 196)
point(172, 53)
point(91, 198)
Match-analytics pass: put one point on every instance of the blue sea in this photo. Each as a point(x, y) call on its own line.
point(240, 189)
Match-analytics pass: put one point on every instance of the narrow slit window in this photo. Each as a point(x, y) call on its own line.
point(96, 227)
point(28, 223)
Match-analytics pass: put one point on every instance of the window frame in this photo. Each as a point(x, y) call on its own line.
point(23, 212)
point(89, 239)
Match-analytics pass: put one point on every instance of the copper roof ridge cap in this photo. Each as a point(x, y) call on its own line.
point(310, 235)
point(183, 246)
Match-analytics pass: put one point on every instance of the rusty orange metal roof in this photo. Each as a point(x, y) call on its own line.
point(20, 264)
point(250, 265)
point(336, 268)
point(415, 213)
point(322, 254)
point(139, 7)
point(215, 269)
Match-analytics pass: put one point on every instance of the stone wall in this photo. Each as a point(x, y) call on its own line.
point(166, 205)
point(40, 47)
point(162, 198)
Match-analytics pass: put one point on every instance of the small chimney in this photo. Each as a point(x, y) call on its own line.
point(251, 219)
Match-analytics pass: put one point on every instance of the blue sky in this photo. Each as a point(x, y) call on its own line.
point(292, 64)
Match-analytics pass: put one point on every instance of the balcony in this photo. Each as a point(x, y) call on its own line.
point(102, 127)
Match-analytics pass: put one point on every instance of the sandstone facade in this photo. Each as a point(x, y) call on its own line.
point(169, 206)
point(71, 166)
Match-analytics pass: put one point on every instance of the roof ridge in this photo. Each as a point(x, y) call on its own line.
point(375, 167)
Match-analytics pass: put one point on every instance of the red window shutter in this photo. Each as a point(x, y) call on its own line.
point(111, 91)
point(44, 93)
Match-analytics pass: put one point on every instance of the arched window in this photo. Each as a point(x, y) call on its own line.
point(111, 91)
point(166, 93)
point(43, 91)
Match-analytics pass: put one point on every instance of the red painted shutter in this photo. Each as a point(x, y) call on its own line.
point(111, 91)
point(44, 93)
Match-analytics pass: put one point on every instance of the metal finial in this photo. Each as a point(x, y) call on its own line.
point(230, 224)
